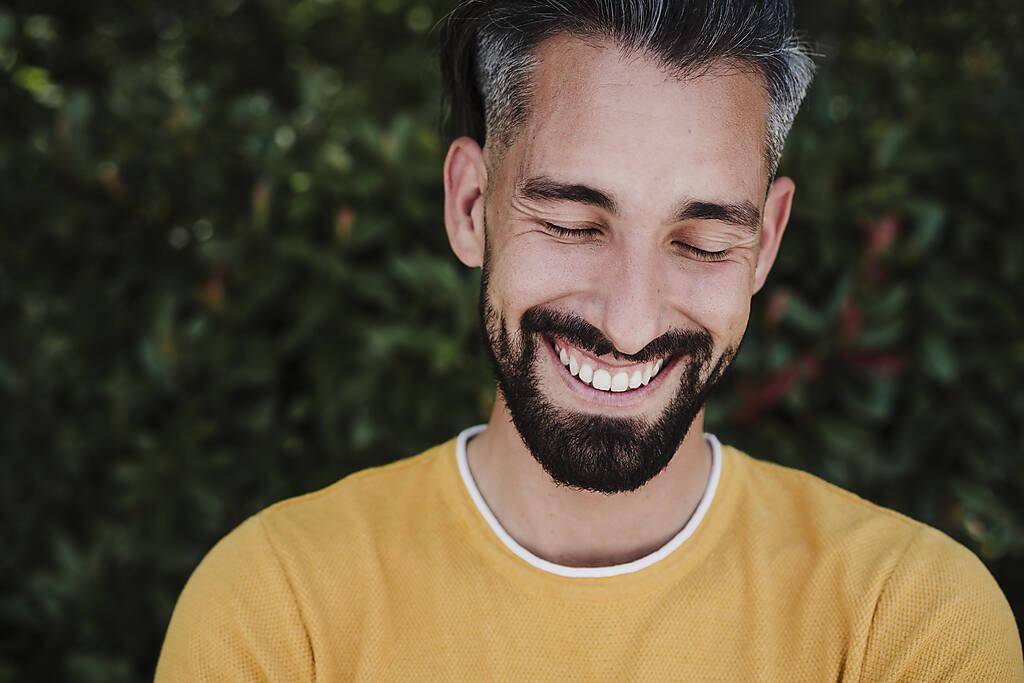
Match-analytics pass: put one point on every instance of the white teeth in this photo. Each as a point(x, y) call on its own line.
point(602, 380)
point(586, 373)
point(620, 382)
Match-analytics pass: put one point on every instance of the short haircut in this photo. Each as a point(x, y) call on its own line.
point(488, 53)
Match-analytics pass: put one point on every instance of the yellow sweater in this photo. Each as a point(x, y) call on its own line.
point(401, 573)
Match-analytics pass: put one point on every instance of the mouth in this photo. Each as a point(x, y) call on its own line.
point(602, 382)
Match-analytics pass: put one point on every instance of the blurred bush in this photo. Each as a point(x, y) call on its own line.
point(224, 281)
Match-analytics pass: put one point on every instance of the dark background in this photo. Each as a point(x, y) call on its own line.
point(224, 281)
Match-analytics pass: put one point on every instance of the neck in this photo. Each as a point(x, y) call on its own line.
point(584, 528)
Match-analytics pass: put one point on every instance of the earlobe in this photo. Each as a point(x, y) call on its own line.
point(773, 224)
point(465, 185)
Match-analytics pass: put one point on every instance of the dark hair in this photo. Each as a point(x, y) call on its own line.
point(487, 53)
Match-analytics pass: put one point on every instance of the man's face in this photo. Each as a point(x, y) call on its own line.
point(623, 245)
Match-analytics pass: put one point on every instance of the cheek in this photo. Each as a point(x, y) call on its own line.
point(532, 269)
point(715, 296)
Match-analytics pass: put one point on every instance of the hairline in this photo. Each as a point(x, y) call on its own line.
point(497, 143)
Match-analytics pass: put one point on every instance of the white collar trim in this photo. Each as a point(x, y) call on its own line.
point(588, 572)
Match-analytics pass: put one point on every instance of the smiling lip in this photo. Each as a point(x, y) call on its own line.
point(625, 399)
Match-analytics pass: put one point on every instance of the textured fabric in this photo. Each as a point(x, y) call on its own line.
point(393, 574)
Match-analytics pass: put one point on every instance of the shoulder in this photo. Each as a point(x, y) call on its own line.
point(941, 615)
point(358, 508)
point(245, 606)
point(237, 616)
point(934, 610)
point(343, 526)
point(364, 507)
point(800, 500)
point(937, 575)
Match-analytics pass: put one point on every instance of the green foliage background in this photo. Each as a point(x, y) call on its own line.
point(224, 281)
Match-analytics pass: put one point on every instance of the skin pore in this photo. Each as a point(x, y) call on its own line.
point(666, 181)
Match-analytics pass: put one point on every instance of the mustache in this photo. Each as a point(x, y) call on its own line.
point(577, 331)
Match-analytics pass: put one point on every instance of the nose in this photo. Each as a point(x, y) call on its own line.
point(632, 291)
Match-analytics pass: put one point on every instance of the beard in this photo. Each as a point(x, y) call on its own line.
point(586, 451)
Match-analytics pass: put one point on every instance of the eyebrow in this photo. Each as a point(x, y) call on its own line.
point(741, 214)
point(547, 190)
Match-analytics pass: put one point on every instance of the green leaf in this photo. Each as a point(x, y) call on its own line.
point(938, 358)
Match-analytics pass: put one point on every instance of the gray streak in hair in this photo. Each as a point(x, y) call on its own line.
point(488, 53)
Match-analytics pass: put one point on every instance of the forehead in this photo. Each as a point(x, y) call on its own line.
point(598, 116)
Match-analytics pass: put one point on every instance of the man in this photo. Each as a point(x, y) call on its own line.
point(615, 179)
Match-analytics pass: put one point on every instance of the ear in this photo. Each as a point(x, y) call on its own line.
point(465, 185)
point(776, 215)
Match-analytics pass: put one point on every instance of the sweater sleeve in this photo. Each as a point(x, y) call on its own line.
point(237, 618)
point(942, 617)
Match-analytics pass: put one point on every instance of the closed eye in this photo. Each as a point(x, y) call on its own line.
point(585, 233)
point(571, 233)
point(703, 254)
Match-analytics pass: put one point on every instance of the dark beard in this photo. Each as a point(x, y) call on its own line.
point(582, 450)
